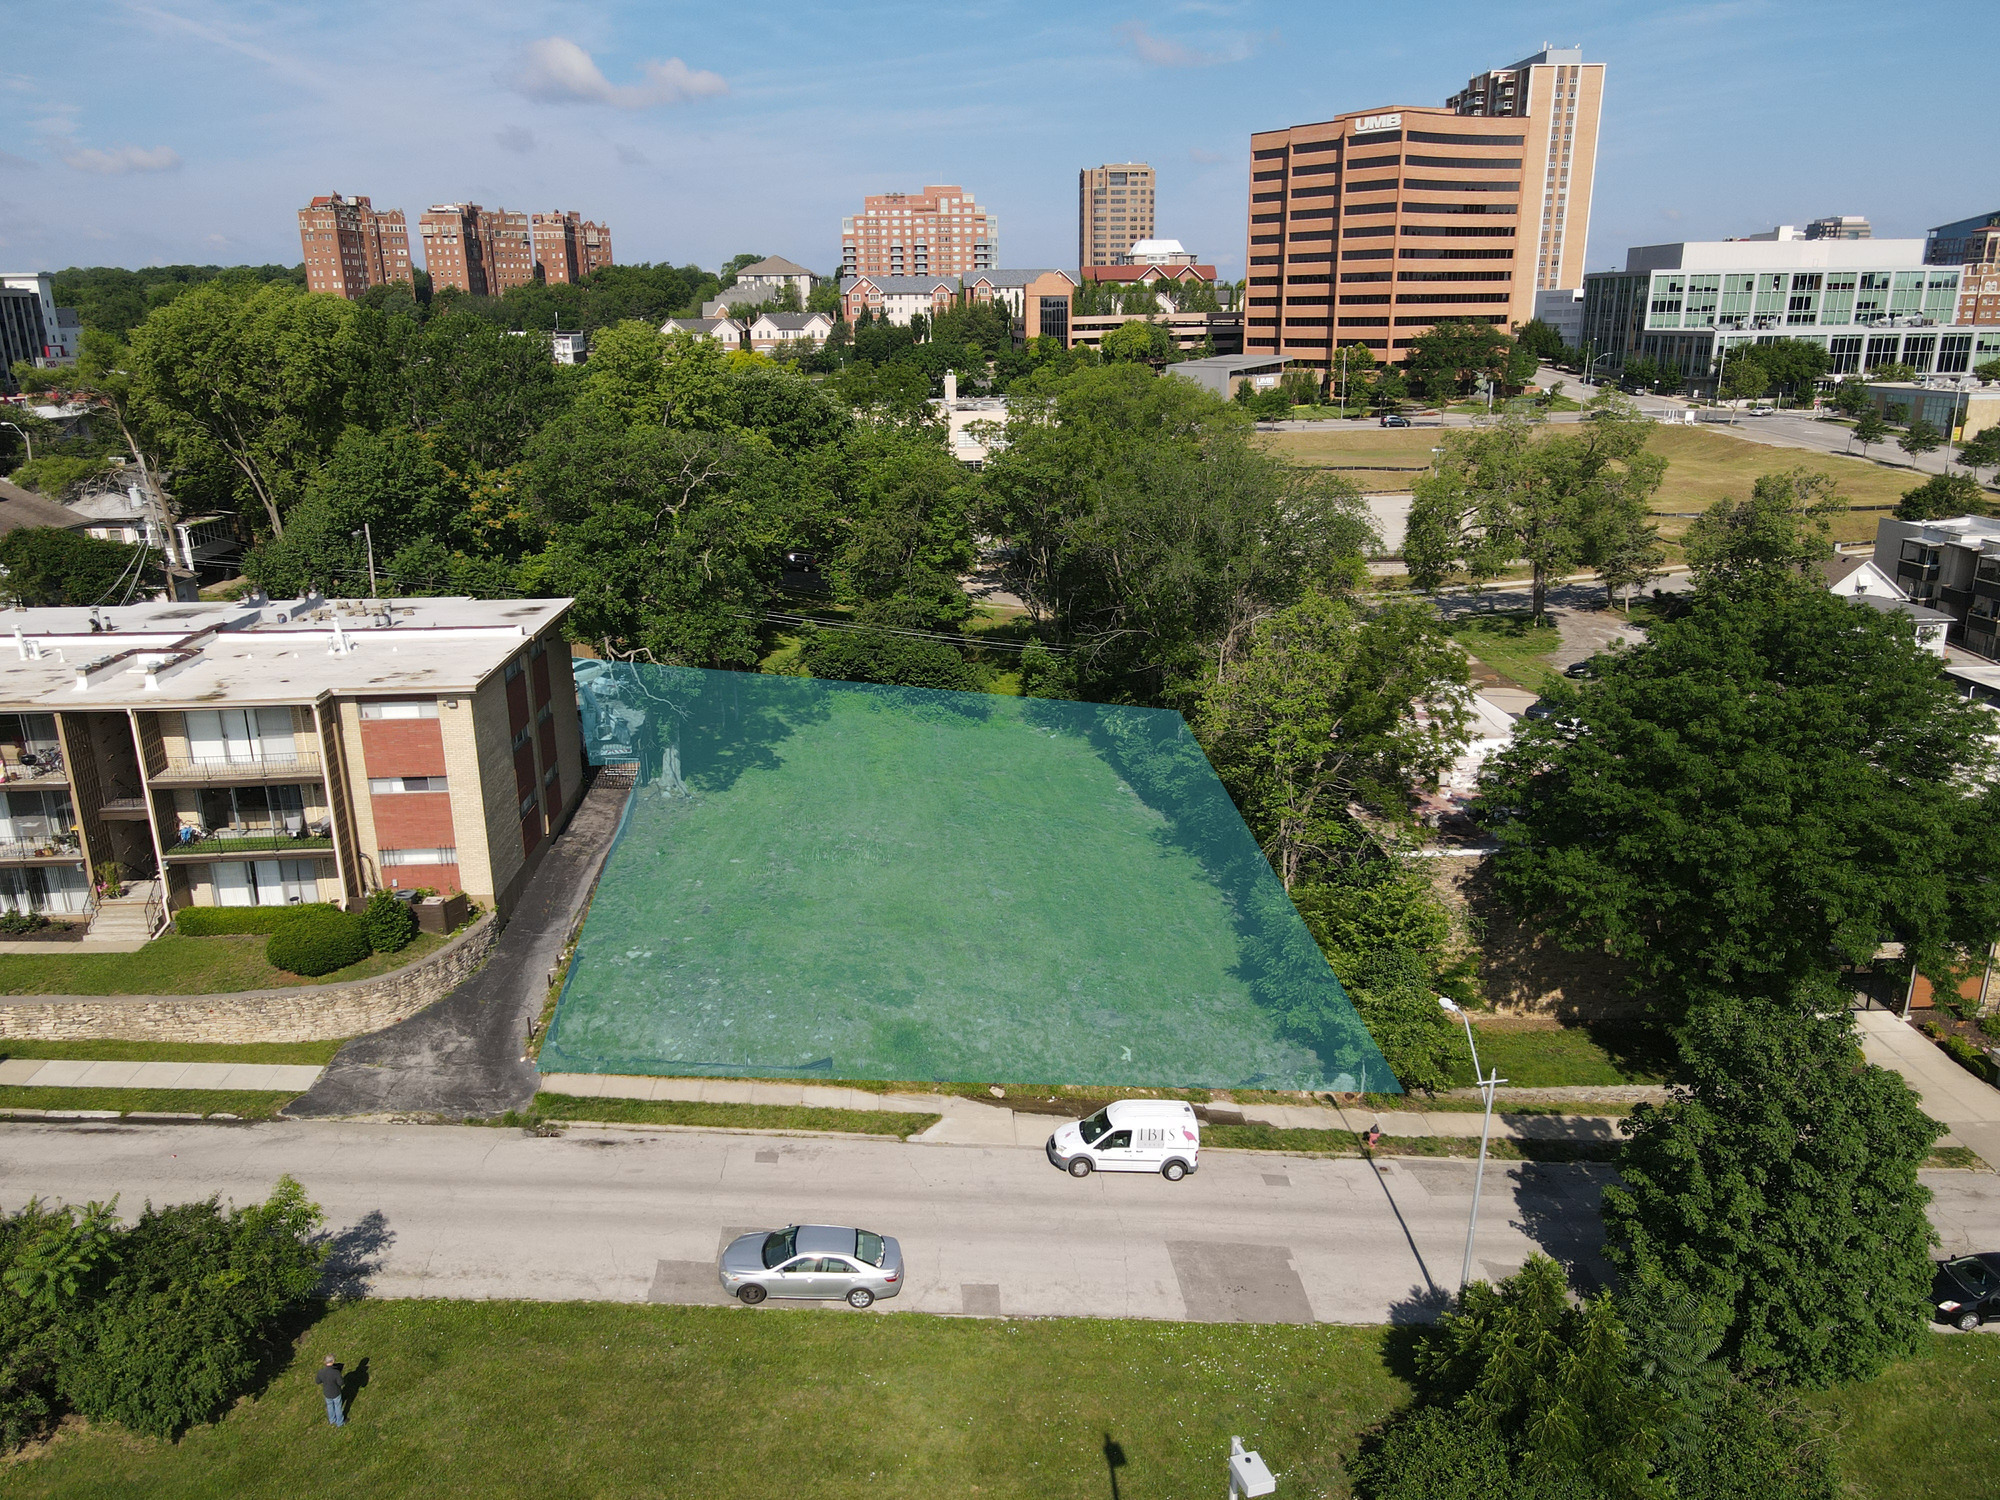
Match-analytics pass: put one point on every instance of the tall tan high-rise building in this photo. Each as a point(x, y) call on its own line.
point(1114, 210)
point(350, 246)
point(569, 247)
point(1374, 226)
point(938, 232)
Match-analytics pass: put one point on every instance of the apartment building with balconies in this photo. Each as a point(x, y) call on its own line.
point(267, 753)
point(1952, 566)
point(350, 245)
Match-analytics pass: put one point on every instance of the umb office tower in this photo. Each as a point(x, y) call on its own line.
point(1373, 226)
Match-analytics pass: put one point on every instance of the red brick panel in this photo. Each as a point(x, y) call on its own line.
point(552, 795)
point(517, 705)
point(441, 878)
point(548, 733)
point(539, 671)
point(403, 747)
point(531, 830)
point(524, 768)
point(414, 820)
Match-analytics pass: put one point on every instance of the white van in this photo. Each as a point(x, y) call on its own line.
point(1132, 1135)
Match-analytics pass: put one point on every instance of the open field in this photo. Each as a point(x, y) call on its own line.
point(1508, 643)
point(563, 1401)
point(1704, 466)
point(859, 882)
point(176, 965)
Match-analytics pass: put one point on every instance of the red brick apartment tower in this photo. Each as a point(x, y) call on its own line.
point(454, 248)
point(1371, 228)
point(568, 247)
point(593, 246)
point(349, 246)
point(510, 250)
point(938, 232)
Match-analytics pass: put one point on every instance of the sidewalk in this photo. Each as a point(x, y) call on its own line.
point(980, 1122)
point(1951, 1095)
point(61, 1073)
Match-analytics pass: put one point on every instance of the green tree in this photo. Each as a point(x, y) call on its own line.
point(1919, 438)
point(1136, 341)
point(1893, 373)
point(1630, 560)
point(1942, 495)
point(1320, 707)
point(1869, 429)
point(1785, 526)
point(906, 533)
point(1791, 365)
point(1743, 378)
point(263, 379)
point(1517, 492)
point(1392, 993)
point(1540, 339)
point(1779, 1184)
point(896, 660)
point(1450, 359)
point(1981, 451)
point(1768, 789)
point(1850, 397)
point(47, 565)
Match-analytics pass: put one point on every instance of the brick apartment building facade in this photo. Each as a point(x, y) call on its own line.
point(1374, 226)
point(1973, 243)
point(938, 232)
point(1114, 211)
point(454, 247)
point(350, 245)
point(364, 745)
point(568, 247)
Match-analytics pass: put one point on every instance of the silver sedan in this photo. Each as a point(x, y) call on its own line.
point(812, 1261)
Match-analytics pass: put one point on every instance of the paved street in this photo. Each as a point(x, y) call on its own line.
point(453, 1211)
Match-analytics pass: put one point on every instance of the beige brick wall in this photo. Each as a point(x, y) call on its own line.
point(306, 1014)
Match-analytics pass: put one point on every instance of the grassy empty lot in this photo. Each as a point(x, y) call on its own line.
point(574, 1401)
point(1509, 644)
point(176, 965)
point(319, 1053)
point(866, 883)
point(1703, 466)
point(1570, 1056)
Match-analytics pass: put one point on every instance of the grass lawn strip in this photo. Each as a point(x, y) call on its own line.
point(245, 1104)
point(728, 1116)
point(299, 1053)
point(1347, 1143)
point(176, 965)
point(1507, 643)
point(574, 1399)
point(586, 1399)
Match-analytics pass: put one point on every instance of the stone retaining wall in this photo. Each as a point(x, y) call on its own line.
point(307, 1014)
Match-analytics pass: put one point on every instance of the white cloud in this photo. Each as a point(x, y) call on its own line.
point(515, 139)
point(1164, 52)
point(557, 71)
point(122, 159)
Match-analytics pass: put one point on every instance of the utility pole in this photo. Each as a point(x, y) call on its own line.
point(367, 532)
point(1486, 1086)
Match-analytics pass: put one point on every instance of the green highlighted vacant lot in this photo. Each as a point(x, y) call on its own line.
point(827, 879)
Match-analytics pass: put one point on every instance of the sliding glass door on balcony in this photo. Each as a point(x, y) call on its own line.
point(36, 822)
point(55, 889)
point(240, 736)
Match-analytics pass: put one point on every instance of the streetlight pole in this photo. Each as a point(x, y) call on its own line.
point(26, 440)
point(1487, 1086)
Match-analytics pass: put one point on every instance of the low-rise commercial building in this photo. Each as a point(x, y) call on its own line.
point(1225, 374)
point(1960, 409)
point(1868, 303)
point(1952, 566)
point(265, 753)
point(33, 330)
point(1202, 333)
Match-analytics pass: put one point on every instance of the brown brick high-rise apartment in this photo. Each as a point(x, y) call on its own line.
point(1114, 210)
point(938, 232)
point(568, 247)
point(454, 247)
point(1372, 227)
point(349, 246)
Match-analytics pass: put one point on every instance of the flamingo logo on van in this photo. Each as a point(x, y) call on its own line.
point(1189, 1134)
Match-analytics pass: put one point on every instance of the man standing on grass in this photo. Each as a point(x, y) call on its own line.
point(329, 1384)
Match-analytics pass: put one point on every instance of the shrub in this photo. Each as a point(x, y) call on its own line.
point(391, 923)
point(22, 921)
point(319, 943)
point(1990, 1024)
point(218, 921)
point(196, 1303)
point(904, 661)
point(1966, 1055)
point(28, 1330)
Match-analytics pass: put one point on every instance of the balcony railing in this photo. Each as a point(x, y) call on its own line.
point(184, 770)
point(253, 838)
point(31, 763)
point(56, 846)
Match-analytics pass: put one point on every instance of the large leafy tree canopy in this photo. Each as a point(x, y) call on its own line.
point(1767, 790)
point(1785, 525)
point(1514, 491)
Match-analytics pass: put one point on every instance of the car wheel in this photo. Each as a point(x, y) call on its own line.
point(1080, 1167)
point(752, 1294)
point(1174, 1171)
point(860, 1297)
point(1967, 1321)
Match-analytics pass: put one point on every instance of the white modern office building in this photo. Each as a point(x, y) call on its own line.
point(1868, 303)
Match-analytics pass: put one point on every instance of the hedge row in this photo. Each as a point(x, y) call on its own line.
point(222, 921)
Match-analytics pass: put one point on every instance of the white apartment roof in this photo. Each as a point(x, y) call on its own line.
point(1156, 247)
point(1788, 255)
point(173, 655)
point(1966, 531)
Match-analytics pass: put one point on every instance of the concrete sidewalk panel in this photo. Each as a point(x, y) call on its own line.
point(18, 1071)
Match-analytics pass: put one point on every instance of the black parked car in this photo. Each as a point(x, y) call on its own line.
point(1966, 1290)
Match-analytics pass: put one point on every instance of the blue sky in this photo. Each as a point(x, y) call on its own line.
point(192, 130)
